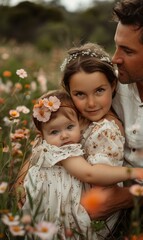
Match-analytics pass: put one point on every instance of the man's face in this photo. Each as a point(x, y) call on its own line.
point(129, 54)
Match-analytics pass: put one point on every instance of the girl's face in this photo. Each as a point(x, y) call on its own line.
point(91, 94)
point(62, 130)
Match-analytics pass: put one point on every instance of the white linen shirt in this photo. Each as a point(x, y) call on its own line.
point(129, 108)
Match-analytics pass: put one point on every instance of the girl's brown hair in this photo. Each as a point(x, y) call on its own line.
point(88, 58)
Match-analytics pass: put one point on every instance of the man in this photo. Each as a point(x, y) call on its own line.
point(128, 102)
point(128, 56)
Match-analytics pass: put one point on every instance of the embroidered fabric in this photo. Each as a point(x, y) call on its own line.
point(57, 192)
point(103, 143)
point(50, 154)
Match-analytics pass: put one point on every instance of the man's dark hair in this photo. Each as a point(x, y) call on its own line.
point(129, 12)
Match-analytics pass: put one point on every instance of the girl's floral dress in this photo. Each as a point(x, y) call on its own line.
point(103, 144)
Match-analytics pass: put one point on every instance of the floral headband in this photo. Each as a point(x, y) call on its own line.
point(84, 53)
point(43, 109)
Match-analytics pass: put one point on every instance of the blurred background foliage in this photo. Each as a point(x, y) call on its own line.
point(35, 35)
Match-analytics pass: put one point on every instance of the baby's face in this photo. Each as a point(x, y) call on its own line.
point(62, 130)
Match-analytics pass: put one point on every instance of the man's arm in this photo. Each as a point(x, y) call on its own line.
point(117, 198)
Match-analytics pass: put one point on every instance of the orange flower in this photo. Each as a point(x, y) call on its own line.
point(25, 122)
point(27, 86)
point(2, 100)
point(137, 237)
point(1, 235)
point(34, 101)
point(18, 86)
point(93, 199)
point(7, 74)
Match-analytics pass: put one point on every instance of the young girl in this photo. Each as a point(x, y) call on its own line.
point(52, 188)
point(89, 77)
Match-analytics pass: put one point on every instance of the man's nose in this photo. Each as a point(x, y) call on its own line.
point(116, 58)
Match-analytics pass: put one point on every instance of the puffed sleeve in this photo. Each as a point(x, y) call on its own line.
point(104, 144)
point(49, 155)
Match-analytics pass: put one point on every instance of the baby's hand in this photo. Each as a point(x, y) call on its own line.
point(138, 173)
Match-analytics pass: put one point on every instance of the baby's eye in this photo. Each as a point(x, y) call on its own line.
point(70, 126)
point(54, 132)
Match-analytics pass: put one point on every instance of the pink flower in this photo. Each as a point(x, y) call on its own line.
point(136, 190)
point(20, 134)
point(10, 220)
point(46, 230)
point(14, 113)
point(17, 230)
point(43, 109)
point(26, 219)
point(6, 149)
point(53, 103)
point(23, 109)
point(41, 113)
point(21, 73)
point(3, 187)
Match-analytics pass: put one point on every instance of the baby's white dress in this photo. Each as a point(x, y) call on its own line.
point(103, 144)
point(58, 191)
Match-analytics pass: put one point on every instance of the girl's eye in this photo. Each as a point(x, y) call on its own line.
point(79, 94)
point(100, 90)
point(70, 126)
point(54, 132)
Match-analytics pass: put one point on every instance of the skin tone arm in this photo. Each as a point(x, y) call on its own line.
point(99, 174)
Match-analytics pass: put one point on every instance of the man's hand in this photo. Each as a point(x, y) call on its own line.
point(117, 198)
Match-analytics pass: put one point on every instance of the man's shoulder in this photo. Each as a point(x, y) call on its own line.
point(123, 99)
point(123, 88)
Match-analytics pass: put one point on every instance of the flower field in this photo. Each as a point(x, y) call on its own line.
point(26, 74)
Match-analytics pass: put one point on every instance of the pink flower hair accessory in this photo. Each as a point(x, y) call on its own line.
point(43, 109)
